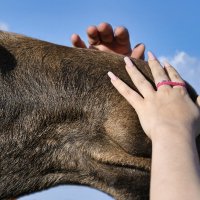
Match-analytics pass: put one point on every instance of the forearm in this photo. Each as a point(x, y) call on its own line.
point(175, 168)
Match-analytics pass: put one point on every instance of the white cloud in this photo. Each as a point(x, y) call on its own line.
point(187, 65)
point(4, 26)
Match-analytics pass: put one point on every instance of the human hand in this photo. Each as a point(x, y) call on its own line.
point(103, 38)
point(168, 108)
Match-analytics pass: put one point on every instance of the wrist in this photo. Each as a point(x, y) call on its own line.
point(172, 133)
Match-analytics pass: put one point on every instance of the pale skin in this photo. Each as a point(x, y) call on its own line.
point(172, 127)
point(104, 38)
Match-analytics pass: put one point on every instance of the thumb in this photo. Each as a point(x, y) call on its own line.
point(198, 101)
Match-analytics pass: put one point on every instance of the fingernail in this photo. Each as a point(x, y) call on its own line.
point(151, 56)
point(126, 59)
point(112, 76)
point(166, 64)
point(128, 62)
point(137, 45)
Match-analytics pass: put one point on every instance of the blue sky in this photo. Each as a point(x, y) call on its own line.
point(169, 28)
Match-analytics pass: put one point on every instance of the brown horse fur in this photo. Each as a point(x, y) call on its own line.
point(62, 122)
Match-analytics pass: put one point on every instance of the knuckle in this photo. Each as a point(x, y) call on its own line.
point(160, 74)
point(141, 81)
point(176, 76)
point(165, 90)
point(182, 90)
point(125, 91)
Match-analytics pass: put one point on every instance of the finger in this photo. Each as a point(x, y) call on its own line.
point(105, 32)
point(144, 87)
point(122, 36)
point(130, 95)
point(174, 75)
point(77, 42)
point(93, 36)
point(157, 70)
point(138, 51)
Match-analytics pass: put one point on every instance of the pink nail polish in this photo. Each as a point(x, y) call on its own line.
point(128, 62)
point(151, 56)
point(112, 76)
point(126, 59)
